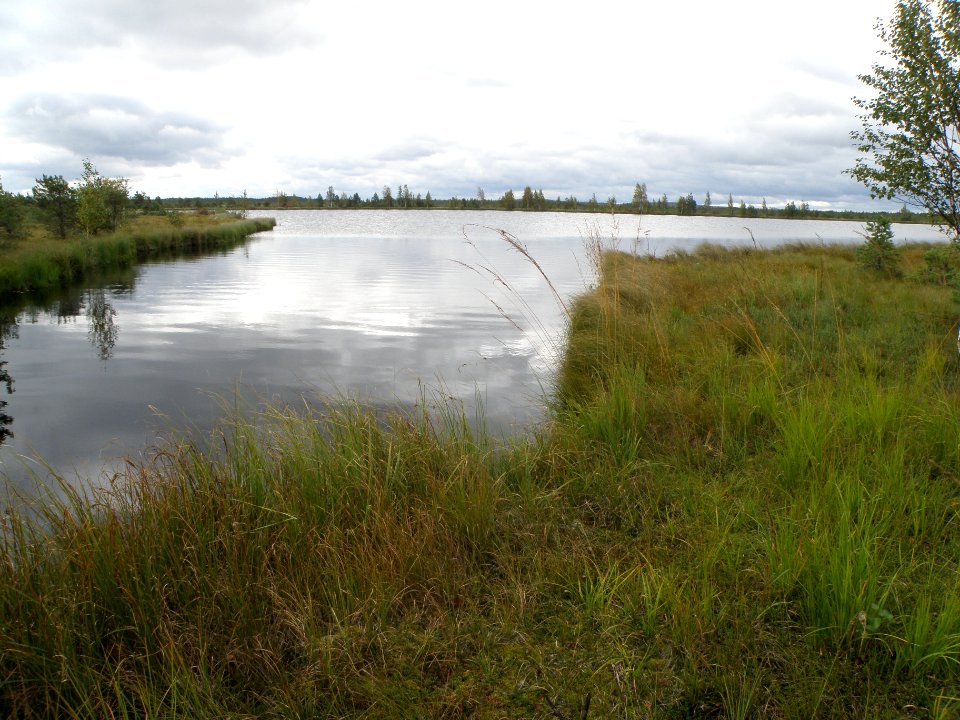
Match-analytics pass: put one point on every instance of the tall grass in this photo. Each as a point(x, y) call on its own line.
point(45, 264)
point(745, 504)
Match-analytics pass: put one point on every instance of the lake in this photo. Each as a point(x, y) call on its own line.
point(385, 307)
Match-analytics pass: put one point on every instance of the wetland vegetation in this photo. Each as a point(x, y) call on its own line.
point(745, 503)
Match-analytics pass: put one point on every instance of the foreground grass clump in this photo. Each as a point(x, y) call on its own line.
point(43, 263)
point(745, 505)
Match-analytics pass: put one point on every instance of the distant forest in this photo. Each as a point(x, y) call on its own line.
point(533, 200)
point(97, 203)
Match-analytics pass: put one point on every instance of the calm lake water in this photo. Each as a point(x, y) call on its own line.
point(379, 306)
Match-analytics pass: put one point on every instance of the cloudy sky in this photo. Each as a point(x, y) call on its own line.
point(193, 97)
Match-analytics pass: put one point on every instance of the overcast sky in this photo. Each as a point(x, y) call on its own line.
point(193, 97)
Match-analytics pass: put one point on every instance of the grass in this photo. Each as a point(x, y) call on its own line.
point(745, 504)
point(41, 262)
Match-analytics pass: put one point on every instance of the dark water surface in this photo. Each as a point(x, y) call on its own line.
point(378, 306)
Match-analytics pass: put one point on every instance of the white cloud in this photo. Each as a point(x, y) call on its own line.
point(114, 127)
point(177, 32)
point(298, 95)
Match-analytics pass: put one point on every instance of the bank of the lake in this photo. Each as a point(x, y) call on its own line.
point(745, 503)
point(34, 265)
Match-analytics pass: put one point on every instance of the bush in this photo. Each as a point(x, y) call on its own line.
point(11, 215)
point(879, 253)
point(940, 266)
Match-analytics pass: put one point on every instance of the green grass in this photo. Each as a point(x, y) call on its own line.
point(745, 504)
point(43, 263)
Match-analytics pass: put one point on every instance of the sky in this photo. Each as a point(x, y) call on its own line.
point(190, 98)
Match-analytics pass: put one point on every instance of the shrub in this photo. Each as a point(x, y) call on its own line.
point(11, 215)
point(940, 265)
point(879, 253)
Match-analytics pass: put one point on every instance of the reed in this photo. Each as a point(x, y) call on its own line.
point(744, 504)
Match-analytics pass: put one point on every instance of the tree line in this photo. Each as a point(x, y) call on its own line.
point(95, 203)
point(531, 199)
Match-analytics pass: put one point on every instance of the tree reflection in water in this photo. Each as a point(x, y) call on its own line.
point(8, 328)
point(67, 308)
point(103, 330)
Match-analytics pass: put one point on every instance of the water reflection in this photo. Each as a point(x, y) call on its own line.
point(8, 328)
point(295, 315)
point(103, 330)
point(65, 307)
